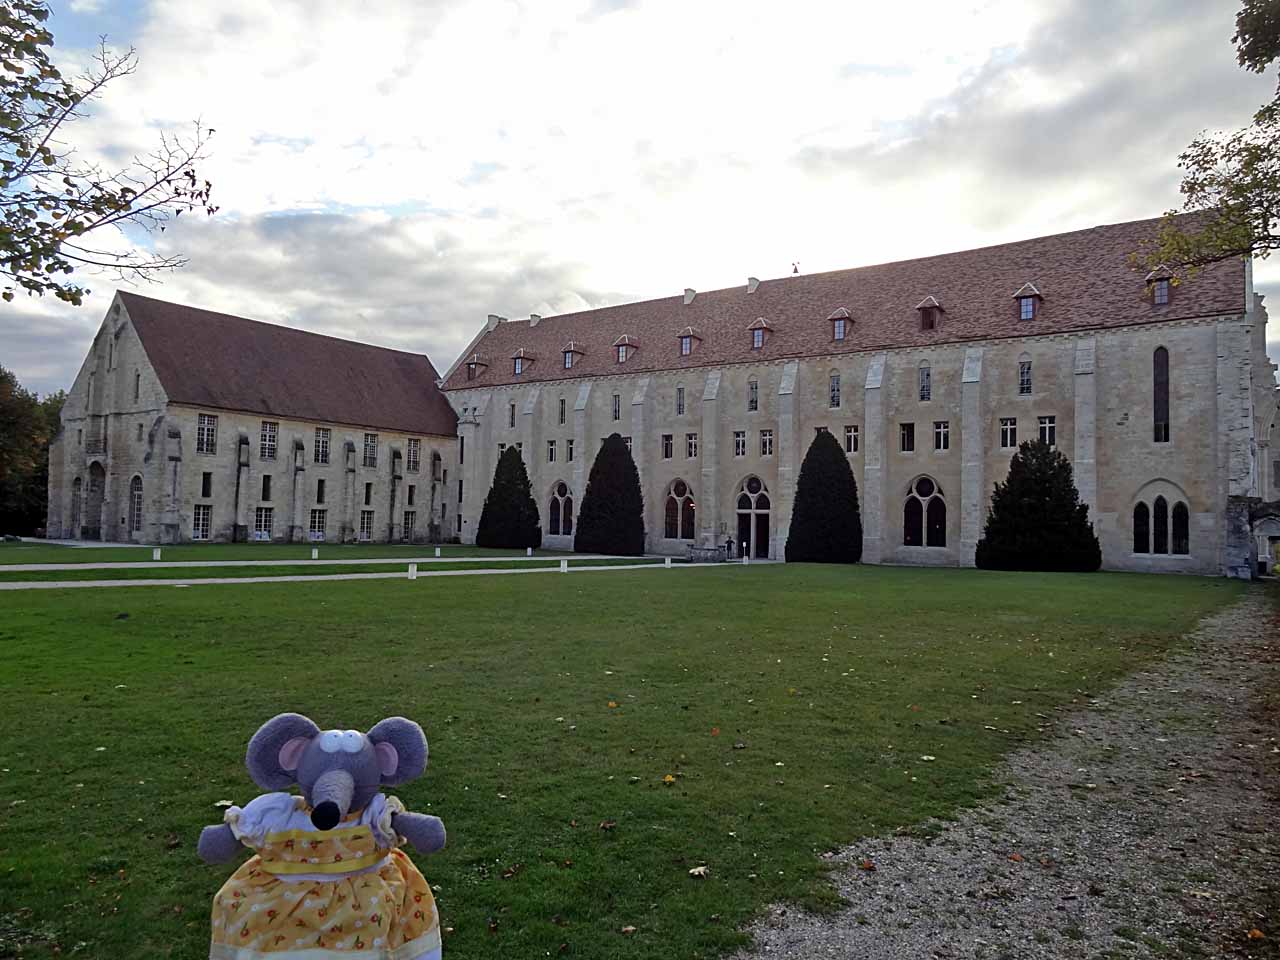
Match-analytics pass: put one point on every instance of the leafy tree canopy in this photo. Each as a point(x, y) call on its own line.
point(611, 519)
point(1232, 179)
point(826, 524)
point(59, 213)
point(27, 424)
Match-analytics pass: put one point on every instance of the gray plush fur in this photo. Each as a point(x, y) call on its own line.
point(334, 783)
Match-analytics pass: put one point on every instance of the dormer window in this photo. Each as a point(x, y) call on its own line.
point(517, 365)
point(759, 329)
point(475, 366)
point(1027, 301)
point(471, 371)
point(520, 361)
point(568, 360)
point(930, 310)
point(571, 353)
point(1160, 284)
point(839, 324)
point(688, 341)
point(624, 347)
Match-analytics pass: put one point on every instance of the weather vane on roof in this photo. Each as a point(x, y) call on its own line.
point(795, 267)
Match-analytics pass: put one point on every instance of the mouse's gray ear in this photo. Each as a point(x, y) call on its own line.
point(401, 747)
point(276, 748)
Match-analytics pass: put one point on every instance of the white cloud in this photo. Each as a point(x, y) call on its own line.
point(515, 157)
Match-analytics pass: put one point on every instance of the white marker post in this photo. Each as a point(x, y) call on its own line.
point(746, 554)
point(155, 554)
point(437, 553)
point(528, 551)
point(315, 553)
point(413, 571)
point(667, 563)
point(564, 566)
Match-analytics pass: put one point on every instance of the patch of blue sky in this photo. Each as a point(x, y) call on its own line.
point(79, 24)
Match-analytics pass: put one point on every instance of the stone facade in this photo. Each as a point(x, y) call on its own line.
point(121, 432)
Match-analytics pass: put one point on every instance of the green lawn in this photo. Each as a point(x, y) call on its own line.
point(49, 553)
point(792, 705)
point(311, 570)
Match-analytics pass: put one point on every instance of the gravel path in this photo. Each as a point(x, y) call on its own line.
point(1143, 829)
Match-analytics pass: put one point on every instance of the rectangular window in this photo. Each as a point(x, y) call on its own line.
point(462, 450)
point(137, 385)
point(686, 346)
point(139, 431)
point(622, 353)
point(928, 318)
point(267, 440)
point(833, 392)
point(459, 490)
point(906, 437)
point(80, 440)
point(942, 434)
point(627, 441)
point(1160, 292)
point(1024, 378)
point(753, 395)
point(839, 329)
point(206, 485)
point(413, 455)
point(511, 414)
point(679, 401)
point(926, 382)
point(1049, 430)
point(1026, 308)
point(368, 494)
point(321, 449)
point(518, 366)
point(617, 407)
point(690, 445)
point(562, 411)
point(366, 524)
point(316, 525)
point(457, 521)
point(410, 520)
point(412, 495)
point(568, 359)
point(851, 438)
point(370, 449)
point(263, 520)
point(206, 433)
point(551, 451)
point(471, 371)
point(766, 443)
point(320, 491)
point(739, 443)
point(757, 339)
point(568, 449)
point(668, 446)
point(201, 521)
point(266, 488)
point(1008, 432)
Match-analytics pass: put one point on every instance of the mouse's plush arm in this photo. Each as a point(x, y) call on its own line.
point(218, 844)
point(423, 831)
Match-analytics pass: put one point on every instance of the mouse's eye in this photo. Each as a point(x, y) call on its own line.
point(352, 741)
point(331, 741)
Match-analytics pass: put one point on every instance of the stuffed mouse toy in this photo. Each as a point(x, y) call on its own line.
point(328, 878)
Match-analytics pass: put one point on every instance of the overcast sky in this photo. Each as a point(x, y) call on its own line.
point(394, 172)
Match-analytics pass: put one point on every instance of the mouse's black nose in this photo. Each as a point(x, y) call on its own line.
point(325, 816)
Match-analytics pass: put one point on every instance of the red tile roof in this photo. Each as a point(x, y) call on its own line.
point(1085, 278)
point(212, 359)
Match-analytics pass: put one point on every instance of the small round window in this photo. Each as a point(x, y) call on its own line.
point(753, 485)
point(679, 489)
point(924, 487)
point(562, 490)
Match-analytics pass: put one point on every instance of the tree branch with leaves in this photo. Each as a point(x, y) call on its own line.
point(59, 214)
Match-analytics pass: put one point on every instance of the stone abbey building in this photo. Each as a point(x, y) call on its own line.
point(929, 372)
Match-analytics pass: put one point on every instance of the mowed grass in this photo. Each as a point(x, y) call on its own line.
point(792, 706)
point(326, 568)
point(26, 552)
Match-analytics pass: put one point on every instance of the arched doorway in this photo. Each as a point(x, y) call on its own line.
point(924, 515)
point(753, 518)
point(93, 508)
point(77, 497)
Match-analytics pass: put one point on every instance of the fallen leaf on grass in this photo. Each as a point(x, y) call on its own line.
point(1256, 934)
point(700, 872)
point(613, 704)
point(868, 865)
point(1016, 857)
point(628, 930)
point(608, 824)
point(668, 779)
point(715, 731)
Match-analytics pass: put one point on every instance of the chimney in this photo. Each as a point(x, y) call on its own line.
point(534, 318)
point(689, 294)
point(494, 320)
point(752, 283)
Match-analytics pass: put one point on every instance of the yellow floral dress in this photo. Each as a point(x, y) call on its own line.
point(308, 894)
